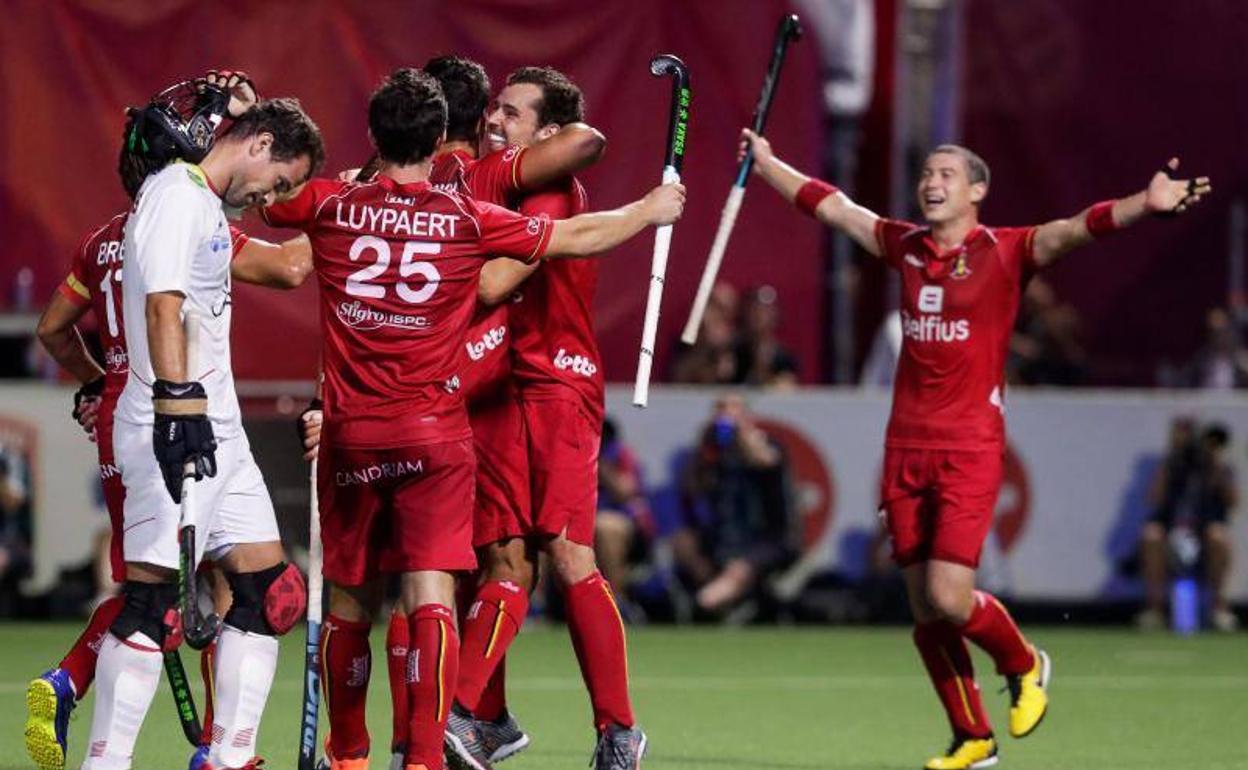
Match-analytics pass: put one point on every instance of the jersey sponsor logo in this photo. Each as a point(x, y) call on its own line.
point(378, 471)
point(491, 340)
point(931, 299)
point(427, 224)
point(357, 315)
point(534, 225)
point(579, 364)
point(223, 300)
point(108, 471)
point(452, 385)
point(116, 359)
point(933, 328)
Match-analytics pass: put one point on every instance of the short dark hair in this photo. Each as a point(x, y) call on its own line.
point(134, 169)
point(976, 168)
point(294, 133)
point(467, 90)
point(407, 116)
point(562, 101)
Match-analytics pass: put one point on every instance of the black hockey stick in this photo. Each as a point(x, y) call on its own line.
point(183, 699)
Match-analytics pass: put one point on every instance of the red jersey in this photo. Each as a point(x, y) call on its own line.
point(554, 350)
point(485, 364)
point(95, 279)
point(957, 313)
point(392, 333)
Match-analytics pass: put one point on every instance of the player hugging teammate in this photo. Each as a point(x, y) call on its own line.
point(961, 282)
point(392, 336)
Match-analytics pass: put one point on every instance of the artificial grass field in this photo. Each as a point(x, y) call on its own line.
point(847, 698)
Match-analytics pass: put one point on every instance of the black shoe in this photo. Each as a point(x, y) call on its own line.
point(502, 737)
point(462, 742)
point(619, 748)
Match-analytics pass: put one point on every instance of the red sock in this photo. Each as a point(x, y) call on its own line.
point(79, 662)
point(432, 668)
point(994, 631)
point(396, 665)
point(489, 627)
point(345, 663)
point(493, 701)
point(206, 656)
point(949, 666)
point(598, 637)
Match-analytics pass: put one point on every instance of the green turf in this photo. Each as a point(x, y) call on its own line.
point(778, 698)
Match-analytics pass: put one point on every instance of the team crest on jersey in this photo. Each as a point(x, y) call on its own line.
point(960, 270)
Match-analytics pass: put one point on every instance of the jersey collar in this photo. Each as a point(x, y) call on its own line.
point(936, 261)
point(200, 177)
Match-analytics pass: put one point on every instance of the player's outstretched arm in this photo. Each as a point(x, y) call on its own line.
point(820, 199)
point(274, 265)
point(1164, 195)
point(571, 149)
point(587, 234)
point(59, 336)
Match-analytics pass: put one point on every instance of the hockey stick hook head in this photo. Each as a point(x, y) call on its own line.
point(667, 64)
point(792, 27)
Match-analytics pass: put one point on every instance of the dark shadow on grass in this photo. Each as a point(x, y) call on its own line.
point(665, 759)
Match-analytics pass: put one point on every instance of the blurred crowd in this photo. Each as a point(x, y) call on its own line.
point(738, 343)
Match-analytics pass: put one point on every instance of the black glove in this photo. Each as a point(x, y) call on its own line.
point(182, 433)
point(92, 390)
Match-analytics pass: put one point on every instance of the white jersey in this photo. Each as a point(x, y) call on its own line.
point(178, 240)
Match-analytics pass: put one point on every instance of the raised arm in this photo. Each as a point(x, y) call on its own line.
point(1164, 195)
point(827, 204)
point(60, 337)
point(601, 231)
point(275, 265)
point(571, 149)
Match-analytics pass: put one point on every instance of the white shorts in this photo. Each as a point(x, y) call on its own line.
point(232, 507)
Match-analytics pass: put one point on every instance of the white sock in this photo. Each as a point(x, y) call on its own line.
point(126, 677)
point(245, 665)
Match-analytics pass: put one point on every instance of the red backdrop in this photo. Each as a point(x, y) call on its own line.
point(70, 67)
point(1073, 101)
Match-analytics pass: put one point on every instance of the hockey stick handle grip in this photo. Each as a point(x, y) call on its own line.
point(316, 582)
point(654, 300)
point(727, 221)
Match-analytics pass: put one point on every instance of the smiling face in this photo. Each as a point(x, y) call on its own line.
point(258, 179)
point(946, 190)
point(513, 118)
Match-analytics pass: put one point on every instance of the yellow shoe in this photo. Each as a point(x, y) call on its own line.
point(1029, 697)
point(966, 754)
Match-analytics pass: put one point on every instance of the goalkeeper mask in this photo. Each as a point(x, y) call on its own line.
point(178, 123)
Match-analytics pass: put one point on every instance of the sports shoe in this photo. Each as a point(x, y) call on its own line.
point(1029, 697)
point(462, 742)
point(255, 763)
point(966, 754)
point(396, 758)
point(619, 748)
point(49, 702)
point(502, 737)
point(199, 759)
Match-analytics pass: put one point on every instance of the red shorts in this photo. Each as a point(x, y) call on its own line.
point(939, 503)
point(114, 495)
point(563, 462)
point(502, 510)
point(404, 509)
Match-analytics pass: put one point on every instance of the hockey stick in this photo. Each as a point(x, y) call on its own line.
point(677, 126)
point(183, 699)
point(312, 648)
point(198, 629)
point(789, 29)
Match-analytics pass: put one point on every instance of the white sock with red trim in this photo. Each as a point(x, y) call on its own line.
point(126, 675)
point(245, 665)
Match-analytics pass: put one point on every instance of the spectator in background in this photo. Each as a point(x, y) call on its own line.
point(14, 526)
point(623, 525)
point(739, 510)
point(760, 357)
point(1194, 495)
point(1046, 348)
point(1222, 363)
point(712, 359)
